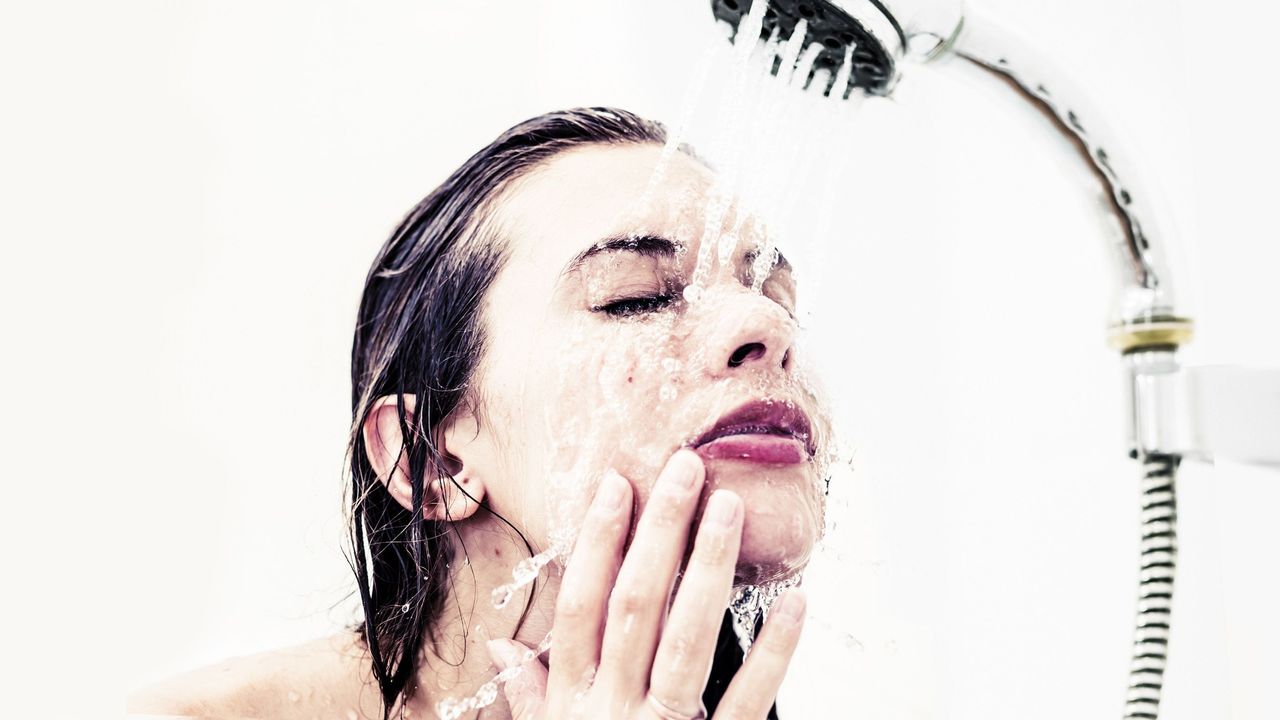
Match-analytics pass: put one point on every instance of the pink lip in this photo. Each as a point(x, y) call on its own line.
point(759, 431)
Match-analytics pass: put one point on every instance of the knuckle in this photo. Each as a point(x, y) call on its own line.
point(663, 508)
point(679, 645)
point(602, 527)
point(572, 606)
point(711, 549)
point(628, 600)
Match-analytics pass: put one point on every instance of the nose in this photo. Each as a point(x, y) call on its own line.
point(750, 332)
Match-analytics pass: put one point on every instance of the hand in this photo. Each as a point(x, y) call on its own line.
point(616, 652)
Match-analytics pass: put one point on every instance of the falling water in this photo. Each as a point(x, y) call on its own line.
point(452, 708)
point(770, 137)
point(523, 574)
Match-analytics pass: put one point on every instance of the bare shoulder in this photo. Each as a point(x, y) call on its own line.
point(327, 677)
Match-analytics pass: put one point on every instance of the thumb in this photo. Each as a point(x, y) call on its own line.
point(524, 691)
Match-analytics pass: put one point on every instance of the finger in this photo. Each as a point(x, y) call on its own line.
point(584, 587)
point(683, 661)
point(526, 688)
point(639, 598)
point(752, 691)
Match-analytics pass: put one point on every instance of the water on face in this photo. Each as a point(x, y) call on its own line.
point(769, 139)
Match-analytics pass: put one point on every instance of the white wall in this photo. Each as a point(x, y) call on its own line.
point(194, 192)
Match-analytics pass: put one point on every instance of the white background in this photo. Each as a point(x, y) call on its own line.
point(192, 195)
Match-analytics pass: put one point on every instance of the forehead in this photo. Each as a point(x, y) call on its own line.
point(583, 195)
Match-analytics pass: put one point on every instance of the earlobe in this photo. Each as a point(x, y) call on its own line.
point(454, 496)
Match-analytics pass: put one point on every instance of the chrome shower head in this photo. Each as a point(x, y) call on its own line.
point(876, 37)
point(881, 32)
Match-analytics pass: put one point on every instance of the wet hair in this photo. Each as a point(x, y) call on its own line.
point(419, 332)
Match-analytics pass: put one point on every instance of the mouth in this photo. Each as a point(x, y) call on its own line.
point(775, 432)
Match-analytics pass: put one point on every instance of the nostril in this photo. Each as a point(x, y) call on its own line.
point(750, 351)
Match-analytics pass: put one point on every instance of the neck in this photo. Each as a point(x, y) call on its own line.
point(460, 663)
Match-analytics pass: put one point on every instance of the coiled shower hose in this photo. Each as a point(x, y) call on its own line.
point(1159, 551)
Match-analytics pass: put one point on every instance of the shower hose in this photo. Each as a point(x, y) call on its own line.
point(1159, 550)
point(1159, 509)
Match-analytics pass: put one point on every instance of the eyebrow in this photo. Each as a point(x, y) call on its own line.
point(656, 246)
point(650, 245)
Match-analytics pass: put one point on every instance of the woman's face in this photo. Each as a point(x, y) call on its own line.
point(634, 318)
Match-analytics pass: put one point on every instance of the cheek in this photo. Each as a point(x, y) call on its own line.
point(614, 399)
point(606, 404)
point(624, 396)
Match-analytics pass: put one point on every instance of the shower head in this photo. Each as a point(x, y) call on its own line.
point(876, 38)
point(878, 35)
point(881, 33)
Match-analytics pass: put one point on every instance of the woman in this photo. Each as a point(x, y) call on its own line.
point(574, 344)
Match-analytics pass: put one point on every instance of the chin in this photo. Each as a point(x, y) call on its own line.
point(783, 516)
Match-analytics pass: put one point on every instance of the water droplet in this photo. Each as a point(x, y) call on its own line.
point(502, 595)
point(404, 608)
point(545, 645)
point(692, 293)
point(294, 697)
point(668, 392)
point(670, 364)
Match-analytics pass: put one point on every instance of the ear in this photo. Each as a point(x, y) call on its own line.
point(443, 499)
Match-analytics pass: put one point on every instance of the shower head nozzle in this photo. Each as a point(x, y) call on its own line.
point(877, 38)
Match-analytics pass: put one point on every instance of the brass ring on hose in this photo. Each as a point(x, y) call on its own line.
point(1157, 332)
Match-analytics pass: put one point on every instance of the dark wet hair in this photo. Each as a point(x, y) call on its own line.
point(419, 332)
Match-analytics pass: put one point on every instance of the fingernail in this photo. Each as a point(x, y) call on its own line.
point(502, 653)
point(722, 508)
point(611, 491)
point(790, 607)
point(681, 470)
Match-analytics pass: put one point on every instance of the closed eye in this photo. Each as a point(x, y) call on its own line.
point(628, 307)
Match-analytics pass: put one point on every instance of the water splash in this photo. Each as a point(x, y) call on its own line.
point(524, 573)
point(751, 604)
point(487, 694)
